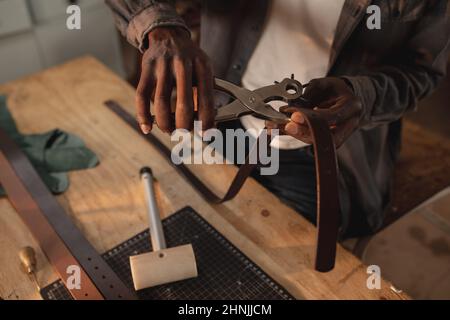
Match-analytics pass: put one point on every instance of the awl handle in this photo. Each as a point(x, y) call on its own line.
point(156, 230)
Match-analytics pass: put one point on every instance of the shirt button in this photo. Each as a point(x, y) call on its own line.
point(237, 67)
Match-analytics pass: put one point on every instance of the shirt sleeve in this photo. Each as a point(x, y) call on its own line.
point(391, 90)
point(136, 18)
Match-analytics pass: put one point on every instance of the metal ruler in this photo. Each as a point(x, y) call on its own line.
point(85, 273)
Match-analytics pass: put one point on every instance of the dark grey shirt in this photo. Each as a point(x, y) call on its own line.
point(390, 70)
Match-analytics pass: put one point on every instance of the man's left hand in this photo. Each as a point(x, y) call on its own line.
point(335, 101)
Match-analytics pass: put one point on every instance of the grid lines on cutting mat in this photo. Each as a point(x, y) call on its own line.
point(224, 271)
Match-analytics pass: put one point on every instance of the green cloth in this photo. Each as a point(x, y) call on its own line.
point(52, 153)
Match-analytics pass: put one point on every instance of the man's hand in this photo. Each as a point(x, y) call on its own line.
point(173, 59)
point(335, 101)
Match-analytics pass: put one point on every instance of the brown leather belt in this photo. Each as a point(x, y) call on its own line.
point(58, 237)
point(326, 177)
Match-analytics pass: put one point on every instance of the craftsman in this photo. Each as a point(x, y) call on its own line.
point(365, 80)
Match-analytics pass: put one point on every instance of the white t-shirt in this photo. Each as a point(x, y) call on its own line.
point(297, 39)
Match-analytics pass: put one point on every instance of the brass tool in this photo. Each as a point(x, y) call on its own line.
point(28, 262)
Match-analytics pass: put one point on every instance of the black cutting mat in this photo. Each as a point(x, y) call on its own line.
point(224, 271)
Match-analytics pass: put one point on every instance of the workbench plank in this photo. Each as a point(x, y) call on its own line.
point(107, 202)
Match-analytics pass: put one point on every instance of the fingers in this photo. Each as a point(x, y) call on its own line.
point(158, 78)
point(297, 127)
point(334, 102)
point(314, 92)
point(298, 131)
point(342, 123)
point(143, 98)
point(184, 116)
point(341, 111)
point(274, 126)
point(342, 132)
point(163, 91)
point(175, 55)
point(320, 93)
point(295, 115)
point(298, 118)
point(206, 110)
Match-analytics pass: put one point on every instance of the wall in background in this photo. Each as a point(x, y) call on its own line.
point(34, 36)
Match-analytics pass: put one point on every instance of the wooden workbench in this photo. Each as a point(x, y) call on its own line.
point(107, 203)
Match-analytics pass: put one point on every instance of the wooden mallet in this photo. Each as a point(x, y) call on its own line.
point(163, 265)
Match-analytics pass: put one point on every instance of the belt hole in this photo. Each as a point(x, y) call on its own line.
point(265, 213)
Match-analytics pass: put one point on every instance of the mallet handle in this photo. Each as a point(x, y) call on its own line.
point(156, 230)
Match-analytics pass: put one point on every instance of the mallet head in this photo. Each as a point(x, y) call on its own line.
point(164, 266)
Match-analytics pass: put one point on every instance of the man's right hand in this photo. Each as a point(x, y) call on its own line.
point(174, 60)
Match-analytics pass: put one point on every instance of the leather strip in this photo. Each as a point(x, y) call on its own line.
point(326, 177)
point(210, 196)
point(328, 207)
point(59, 238)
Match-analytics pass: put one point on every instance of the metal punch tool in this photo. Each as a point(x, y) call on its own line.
point(256, 102)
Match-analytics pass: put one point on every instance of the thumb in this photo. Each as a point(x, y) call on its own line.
point(298, 131)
